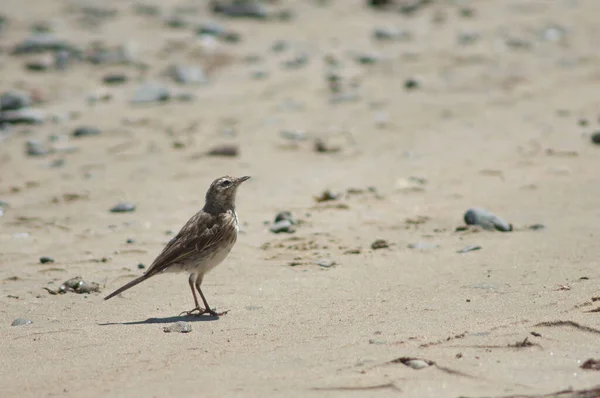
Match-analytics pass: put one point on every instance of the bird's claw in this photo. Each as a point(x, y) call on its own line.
point(201, 311)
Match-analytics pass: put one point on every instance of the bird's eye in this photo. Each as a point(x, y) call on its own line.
point(226, 183)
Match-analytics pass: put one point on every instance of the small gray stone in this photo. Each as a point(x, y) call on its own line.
point(150, 92)
point(178, 327)
point(14, 100)
point(123, 207)
point(62, 59)
point(22, 116)
point(35, 148)
point(21, 322)
point(325, 262)
point(486, 219)
point(282, 226)
point(42, 42)
point(86, 131)
point(210, 28)
point(240, 9)
point(390, 34)
point(285, 215)
point(417, 364)
point(470, 248)
point(187, 74)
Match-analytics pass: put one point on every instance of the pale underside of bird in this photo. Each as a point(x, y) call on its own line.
point(201, 244)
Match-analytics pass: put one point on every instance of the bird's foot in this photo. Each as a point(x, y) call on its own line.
point(195, 311)
point(201, 311)
point(214, 313)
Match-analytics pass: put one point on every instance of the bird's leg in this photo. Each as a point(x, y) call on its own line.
point(207, 310)
point(198, 308)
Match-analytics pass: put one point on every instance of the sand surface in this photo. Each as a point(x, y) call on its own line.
point(502, 123)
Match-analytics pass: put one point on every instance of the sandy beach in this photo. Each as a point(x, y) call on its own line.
point(377, 127)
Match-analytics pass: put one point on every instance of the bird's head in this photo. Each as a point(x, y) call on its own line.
point(221, 194)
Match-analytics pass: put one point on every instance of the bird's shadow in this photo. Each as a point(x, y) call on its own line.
point(169, 319)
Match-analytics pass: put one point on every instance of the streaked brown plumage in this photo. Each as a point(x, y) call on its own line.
point(203, 242)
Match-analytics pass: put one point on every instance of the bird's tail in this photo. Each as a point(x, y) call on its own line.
point(127, 286)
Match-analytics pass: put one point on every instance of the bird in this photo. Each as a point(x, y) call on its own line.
point(201, 244)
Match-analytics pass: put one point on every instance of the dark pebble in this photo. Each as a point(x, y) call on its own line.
point(14, 100)
point(596, 137)
point(130, 241)
point(123, 207)
point(86, 131)
point(224, 150)
point(42, 43)
point(141, 266)
point(411, 84)
point(46, 260)
point(285, 215)
point(536, 227)
point(379, 244)
point(240, 9)
point(114, 78)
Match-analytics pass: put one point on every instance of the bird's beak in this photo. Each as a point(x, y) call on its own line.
point(242, 179)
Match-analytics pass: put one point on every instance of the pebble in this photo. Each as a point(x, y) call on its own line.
point(35, 148)
point(411, 84)
point(295, 135)
point(150, 92)
point(123, 207)
point(39, 64)
point(46, 260)
point(423, 246)
point(211, 28)
point(296, 62)
point(22, 116)
point(76, 285)
point(187, 74)
point(285, 215)
point(367, 59)
point(536, 227)
point(282, 226)
point(14, 100)
point(469, 248)
point(62, 59)
point(325, 262)
point(141, 266)
point(486, 219)
point(114, 78)
point(130, 241)
point(178, 327)
point(86, 131)
point(390, 34)
point(596, 137)
point(224, 150)
point(379, 244)
point(38, 43)
point(240, 9)
point(21, 322)
point(417, 364)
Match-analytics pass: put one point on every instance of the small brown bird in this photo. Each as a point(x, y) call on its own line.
point(203, 242)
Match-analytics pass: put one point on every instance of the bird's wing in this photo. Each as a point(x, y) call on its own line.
point(199, 234)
